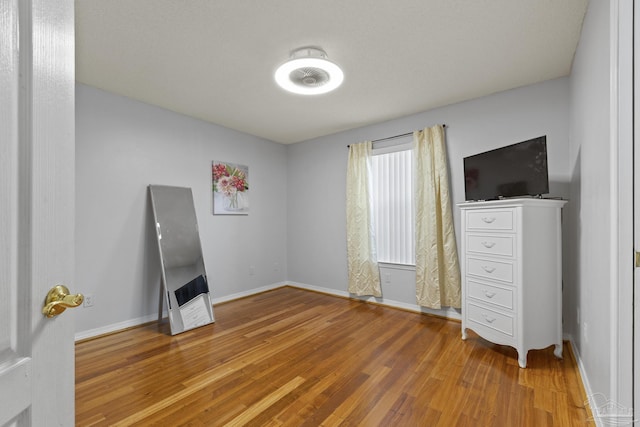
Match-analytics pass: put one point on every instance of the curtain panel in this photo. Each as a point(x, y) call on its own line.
point(437, 267)
point(363, 273)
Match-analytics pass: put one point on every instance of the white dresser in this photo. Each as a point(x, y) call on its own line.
point(512, 273)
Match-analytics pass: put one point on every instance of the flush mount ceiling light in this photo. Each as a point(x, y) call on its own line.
point(309, 72)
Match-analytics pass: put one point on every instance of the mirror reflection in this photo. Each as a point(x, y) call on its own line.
point(185, 289)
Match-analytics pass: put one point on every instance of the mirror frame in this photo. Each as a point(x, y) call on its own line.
point(184, 287)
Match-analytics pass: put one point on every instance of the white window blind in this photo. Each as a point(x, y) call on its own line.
point(392, 201)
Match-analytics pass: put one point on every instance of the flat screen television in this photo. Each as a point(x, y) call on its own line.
point(515, 170)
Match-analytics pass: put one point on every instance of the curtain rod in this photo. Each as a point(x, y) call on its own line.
point(392, 137)
point(396, 136)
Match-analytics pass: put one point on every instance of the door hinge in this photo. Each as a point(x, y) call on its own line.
point(637, 257)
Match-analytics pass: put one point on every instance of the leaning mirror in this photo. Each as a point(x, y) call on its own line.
point(184, 290)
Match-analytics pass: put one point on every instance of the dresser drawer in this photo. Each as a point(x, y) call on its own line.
point(491, 319)
point(491, 245)
point(495, 270)
point(490, 220)
point(500, 296)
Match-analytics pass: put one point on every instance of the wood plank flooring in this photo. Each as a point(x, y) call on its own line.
point(291, 357)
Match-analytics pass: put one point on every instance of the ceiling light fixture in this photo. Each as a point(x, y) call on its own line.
point(309, 72)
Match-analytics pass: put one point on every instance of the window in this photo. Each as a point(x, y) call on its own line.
point(392, 200)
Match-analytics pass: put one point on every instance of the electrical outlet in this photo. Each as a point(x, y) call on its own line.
point(387, 278)
point(585, 332)
point(88, 300)
point(252, 270)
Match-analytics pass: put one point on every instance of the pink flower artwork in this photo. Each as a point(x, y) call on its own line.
point(230, 188)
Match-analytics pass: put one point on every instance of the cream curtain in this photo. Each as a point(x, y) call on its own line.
point(364, 276)
point(437, 268)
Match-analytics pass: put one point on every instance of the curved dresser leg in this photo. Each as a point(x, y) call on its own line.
point(464, 333)
point(522, 359)
point(558, 351)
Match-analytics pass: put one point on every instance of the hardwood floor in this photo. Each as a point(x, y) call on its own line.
point(291, 357)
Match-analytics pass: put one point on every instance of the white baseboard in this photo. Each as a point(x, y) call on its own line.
point(604, 411)
point(585, 380)
point(448, 312)
point(248, 293)
point(115, 327)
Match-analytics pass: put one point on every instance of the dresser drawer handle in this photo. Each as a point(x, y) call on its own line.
point(488, 318)
point(488, 245)
point(488, 219)
point(488, 269)
point(488, 294)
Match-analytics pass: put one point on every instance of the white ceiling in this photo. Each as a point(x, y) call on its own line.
point(214, 59)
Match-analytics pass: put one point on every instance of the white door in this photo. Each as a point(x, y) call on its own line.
point(36, 210)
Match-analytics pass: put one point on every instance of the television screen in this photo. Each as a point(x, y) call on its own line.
point(515, 170)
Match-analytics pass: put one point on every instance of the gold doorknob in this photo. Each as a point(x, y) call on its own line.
point(58, 300)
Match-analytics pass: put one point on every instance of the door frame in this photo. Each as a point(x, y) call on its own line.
point(635, 208)
point(621, 261)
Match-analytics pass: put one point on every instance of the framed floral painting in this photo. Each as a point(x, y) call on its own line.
point(230, 188)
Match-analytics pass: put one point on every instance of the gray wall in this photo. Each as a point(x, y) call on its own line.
point(317, 169)
point(295, 231)
point(121, 147)
point(588, 217)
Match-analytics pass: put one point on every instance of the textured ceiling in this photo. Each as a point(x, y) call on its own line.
point(214, 59)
